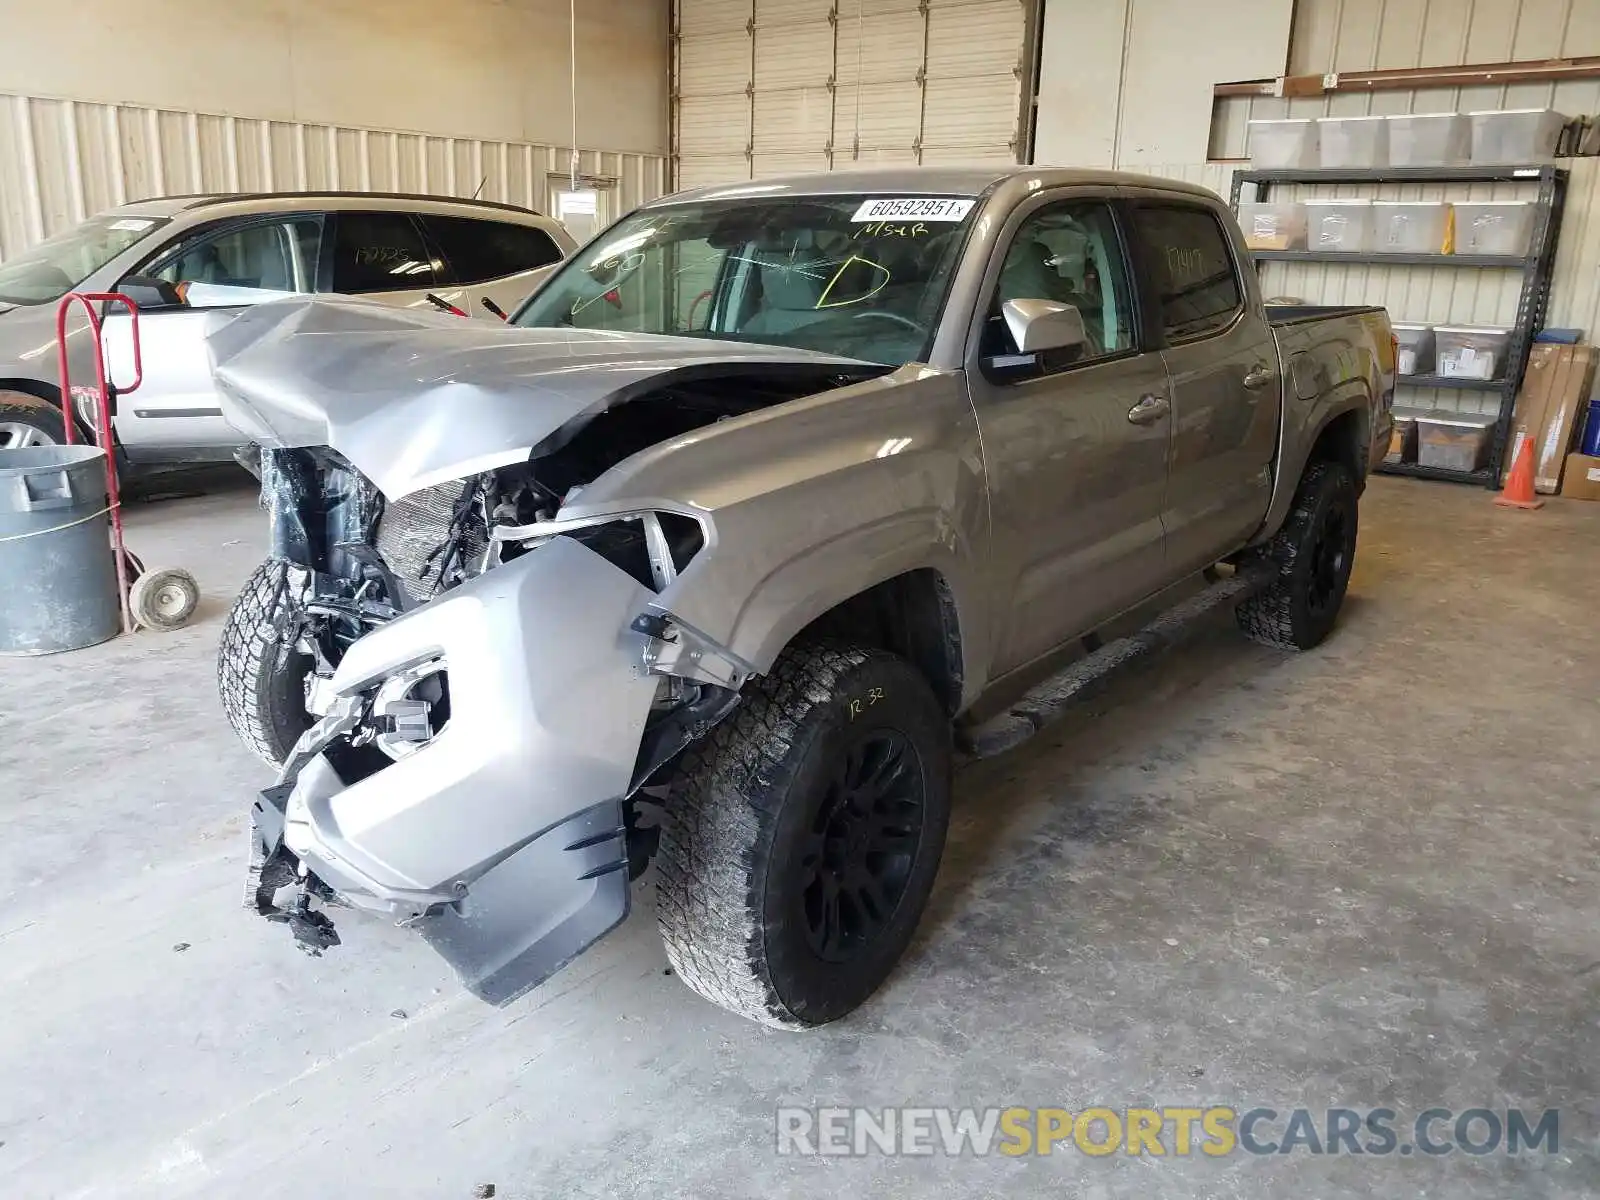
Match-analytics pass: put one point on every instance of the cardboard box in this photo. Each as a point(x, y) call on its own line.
point(1569, 397)
point(1403, 439)
point(1581, 480)
point(1533, 399)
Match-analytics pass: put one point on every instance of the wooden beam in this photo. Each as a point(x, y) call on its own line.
point(1412, 78)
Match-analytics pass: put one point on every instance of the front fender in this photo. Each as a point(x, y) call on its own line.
point(814, 501)
point(825, 575)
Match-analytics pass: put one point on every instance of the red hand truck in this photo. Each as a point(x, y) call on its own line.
point(162, 599)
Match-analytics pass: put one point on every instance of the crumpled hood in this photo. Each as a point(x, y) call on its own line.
point(413, 399)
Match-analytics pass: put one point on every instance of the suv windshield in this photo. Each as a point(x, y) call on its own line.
point(860, 276)
point(53, 268)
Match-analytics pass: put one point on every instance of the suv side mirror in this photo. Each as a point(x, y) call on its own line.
point(1048, 335)
point(148, 292)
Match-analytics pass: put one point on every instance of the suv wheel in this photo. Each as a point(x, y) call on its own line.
point(802, 838)
point(1315, 551)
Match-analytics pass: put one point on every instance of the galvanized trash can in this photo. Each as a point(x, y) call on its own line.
point(58, 579)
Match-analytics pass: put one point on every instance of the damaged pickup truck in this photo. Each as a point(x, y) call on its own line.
point(768, 501)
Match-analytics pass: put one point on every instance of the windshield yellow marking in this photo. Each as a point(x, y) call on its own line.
point(883, 282)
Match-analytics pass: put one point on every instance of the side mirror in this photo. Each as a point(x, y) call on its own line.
point(1041, 325)
point(148, 292)
point(1048, 335)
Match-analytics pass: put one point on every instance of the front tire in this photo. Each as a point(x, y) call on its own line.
point(262, 682)
point(1314, 552)
point(803, 835)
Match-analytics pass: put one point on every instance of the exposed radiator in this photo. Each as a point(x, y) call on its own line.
point(416, 527)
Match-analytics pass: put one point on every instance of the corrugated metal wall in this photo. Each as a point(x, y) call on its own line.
point(1353, 35)
point(62, 160)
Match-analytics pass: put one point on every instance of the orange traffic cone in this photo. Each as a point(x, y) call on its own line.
point(1518, 491)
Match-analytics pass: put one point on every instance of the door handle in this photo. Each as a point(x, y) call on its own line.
point(1258, 377)
point(1149, 410)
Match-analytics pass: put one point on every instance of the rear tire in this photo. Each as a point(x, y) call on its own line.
point(262, 681)
point(1314, 552)
point(803, 835)
point(28, 421)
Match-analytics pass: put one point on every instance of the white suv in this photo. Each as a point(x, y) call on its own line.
point(182, 256)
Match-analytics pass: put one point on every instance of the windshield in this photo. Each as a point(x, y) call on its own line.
point(859, 276)
point(53, 268)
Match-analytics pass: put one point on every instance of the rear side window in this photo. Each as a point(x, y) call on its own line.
point(479, 251)
point(380, 252)
point(1197, 290)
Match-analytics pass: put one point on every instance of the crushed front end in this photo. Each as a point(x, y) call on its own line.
point(486, 708)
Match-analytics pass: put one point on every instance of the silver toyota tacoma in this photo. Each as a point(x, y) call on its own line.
point(771, 501)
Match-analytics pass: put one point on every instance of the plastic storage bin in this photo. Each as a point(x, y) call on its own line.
point(1361, 142)
point(1416, 348)
point(1494, 226)
point(1453, 441)
point(1470, 351)
point(1342, 225)
point(1429, 139)
point(1273, 226)
point(1516, 135)
point(1410, 226)
point(1287, 143)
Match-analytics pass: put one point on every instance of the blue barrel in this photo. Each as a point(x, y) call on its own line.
point(1591, 431)
point(58, 578)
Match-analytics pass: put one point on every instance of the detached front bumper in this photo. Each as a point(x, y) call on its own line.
point(500, 837)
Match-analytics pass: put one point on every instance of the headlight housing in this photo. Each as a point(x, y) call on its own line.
point(652, 545)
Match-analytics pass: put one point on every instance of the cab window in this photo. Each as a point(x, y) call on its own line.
point(1068, 253)
point(1196, 285)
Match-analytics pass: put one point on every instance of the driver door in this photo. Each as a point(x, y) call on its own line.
point(175, 411)
point(1075, 442)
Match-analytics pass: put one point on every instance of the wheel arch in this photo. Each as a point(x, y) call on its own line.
point(913, 615)
point(1340, 431)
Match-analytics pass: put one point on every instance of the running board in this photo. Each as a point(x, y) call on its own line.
point(1049, 700)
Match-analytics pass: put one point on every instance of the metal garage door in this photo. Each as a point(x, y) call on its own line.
point(763, 87)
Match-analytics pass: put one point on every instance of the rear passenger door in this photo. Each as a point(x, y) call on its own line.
point(384, 256)
point(499, 260)
point(1223, 370)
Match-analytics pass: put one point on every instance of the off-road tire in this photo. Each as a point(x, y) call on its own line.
point(1285, 615)
point(19, 408)
point(262, 681)
point(746, 800)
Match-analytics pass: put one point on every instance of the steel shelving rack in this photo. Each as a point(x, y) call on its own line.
point(1536, 268)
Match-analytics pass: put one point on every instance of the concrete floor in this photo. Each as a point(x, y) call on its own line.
point(1360, 877)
